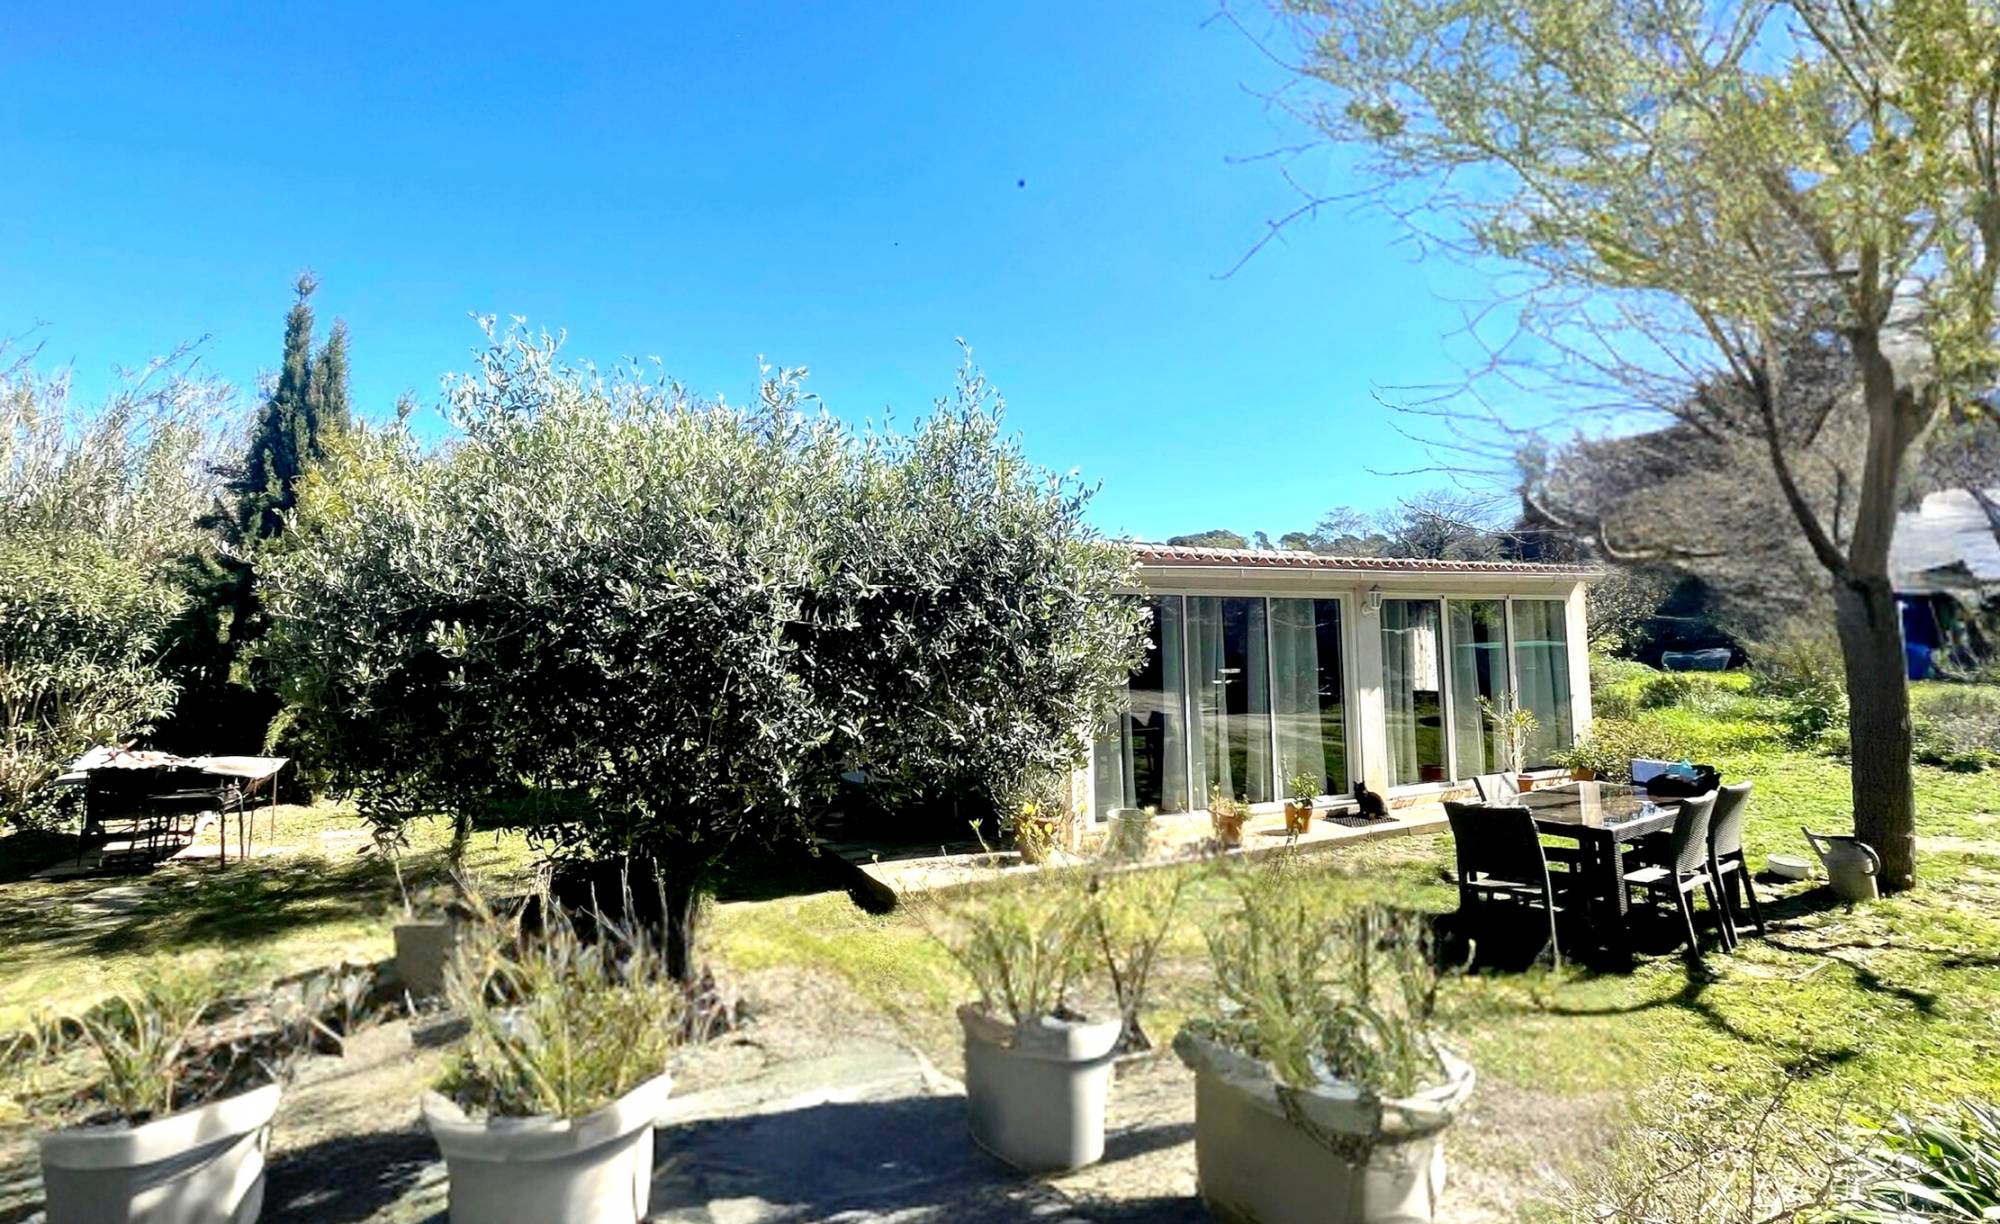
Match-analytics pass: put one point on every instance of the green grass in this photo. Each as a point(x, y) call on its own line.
point(244, 925)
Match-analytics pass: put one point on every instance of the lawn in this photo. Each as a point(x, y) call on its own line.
point(321, 900)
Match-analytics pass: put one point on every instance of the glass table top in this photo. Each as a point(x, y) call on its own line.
point(1596, 805)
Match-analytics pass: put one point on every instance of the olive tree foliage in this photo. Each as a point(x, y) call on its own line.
point(1676, 194)
point(97, 501)
point(676, 623)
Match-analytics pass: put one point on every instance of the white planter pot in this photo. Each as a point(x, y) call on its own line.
point(1036, 1093)
point(1257, 1165)
point(597, 1169)
point(199, 1166)
point(423, 949)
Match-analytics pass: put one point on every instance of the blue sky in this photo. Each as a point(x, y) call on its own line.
point(843, 187)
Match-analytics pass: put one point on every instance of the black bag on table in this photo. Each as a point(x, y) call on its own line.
point(1673, 786)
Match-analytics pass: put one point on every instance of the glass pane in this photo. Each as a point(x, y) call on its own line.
point(1541, 664)
point(1141, 758)
point(1478, 669)
point(1412, 690)
point(1308, 693)
point(1229, 697)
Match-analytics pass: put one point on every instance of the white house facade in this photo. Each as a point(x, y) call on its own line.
point(1268, 665)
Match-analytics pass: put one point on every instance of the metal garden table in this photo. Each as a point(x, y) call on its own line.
point(1602, 818)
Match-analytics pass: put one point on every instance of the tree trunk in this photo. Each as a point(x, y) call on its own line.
point(1878, 703)
point(663, 898)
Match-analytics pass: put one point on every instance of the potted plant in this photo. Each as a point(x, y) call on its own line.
point(1128, 834)
point(546, 1114)
point(1226, 816)
point(1580, 758)
point(1512, 724)
point(1042, 820)
point(157, 1120)
point(1321, 1089)
point(1037, 1071)
point(1299, 806)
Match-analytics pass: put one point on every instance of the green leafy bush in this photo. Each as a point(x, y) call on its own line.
point(97, 505)
point(1669, 689)
point(1612, 744)
point(1801, 668)
point(80, 640)
point(1956, 726)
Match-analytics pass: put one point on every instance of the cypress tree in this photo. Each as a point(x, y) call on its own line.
point(223, 707)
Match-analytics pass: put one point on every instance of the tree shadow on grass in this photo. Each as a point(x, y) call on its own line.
point(207, 905)
point(184, 906)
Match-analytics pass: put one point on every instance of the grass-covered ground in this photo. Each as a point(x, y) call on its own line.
point(319, 901)
point(1869, 1011)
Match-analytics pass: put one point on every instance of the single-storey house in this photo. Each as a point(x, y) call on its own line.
point(1270, 664)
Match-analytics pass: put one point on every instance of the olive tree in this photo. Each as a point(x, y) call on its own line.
point(676, 623)
point(1675, 194)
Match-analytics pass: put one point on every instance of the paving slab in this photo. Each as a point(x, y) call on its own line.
point(871, 1135)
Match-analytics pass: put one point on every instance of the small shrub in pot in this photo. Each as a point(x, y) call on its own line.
point(1322, 1091)
point(156, 1119)
point(546, 1114)
point(1304, 789)
point(1226, 815)
point(1037, 1072)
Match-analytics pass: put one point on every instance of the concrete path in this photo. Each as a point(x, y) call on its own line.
point(871, 1134)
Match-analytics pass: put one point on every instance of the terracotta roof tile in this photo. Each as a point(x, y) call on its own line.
point(1263, 558)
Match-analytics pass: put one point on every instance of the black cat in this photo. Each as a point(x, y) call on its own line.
point(1370, 803)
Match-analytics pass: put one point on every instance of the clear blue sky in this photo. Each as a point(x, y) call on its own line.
point(844, 187)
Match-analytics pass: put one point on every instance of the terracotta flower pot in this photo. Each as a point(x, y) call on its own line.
point(1266, 1153)
point(199, 1166)
point(1036, 1092)
point(597, 1169)
point(1298, 818)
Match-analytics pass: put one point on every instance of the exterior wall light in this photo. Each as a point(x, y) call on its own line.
point(1374, 600)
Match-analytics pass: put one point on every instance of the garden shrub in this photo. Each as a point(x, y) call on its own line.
point(98, 504)
point(1668, 689)
point(1612, 744)
point(1956, 726)
point(1801, 668)
point(80, 639)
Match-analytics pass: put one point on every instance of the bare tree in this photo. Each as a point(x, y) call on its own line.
point(1674, 194)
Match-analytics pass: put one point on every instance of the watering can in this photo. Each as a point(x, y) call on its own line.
point(1851, 864)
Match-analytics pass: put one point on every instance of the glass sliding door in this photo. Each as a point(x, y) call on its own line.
point(1478, 670)
point(1413, 690)
point(1541, 668)
point(1309, 693)
point(1141, 757)
point(1229, 698)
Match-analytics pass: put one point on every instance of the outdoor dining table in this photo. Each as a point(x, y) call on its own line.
point(238, 780)
point(1603, 818)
